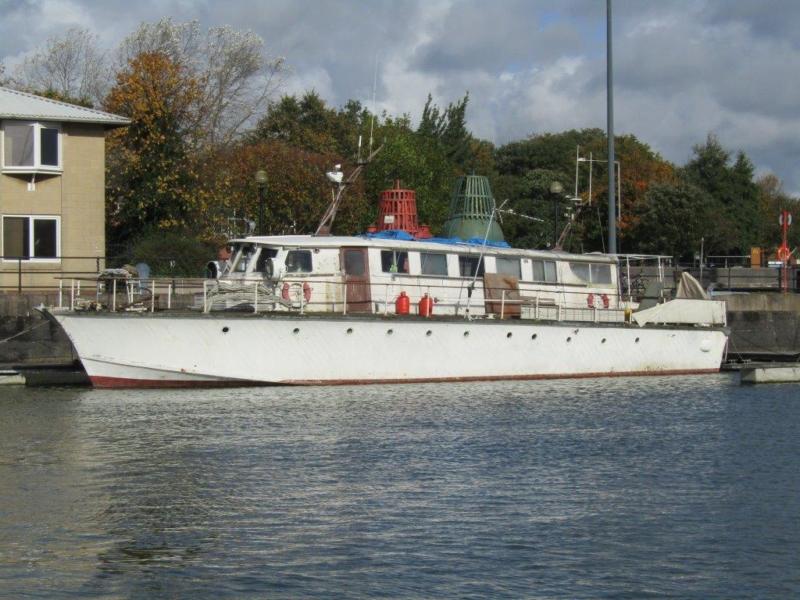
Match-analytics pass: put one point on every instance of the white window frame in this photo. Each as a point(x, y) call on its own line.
point(31, 219)
point(37, 166)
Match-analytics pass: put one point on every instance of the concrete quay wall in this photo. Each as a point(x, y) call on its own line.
point(26, 337)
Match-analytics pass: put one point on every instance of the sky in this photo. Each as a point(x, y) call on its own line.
point(683, 68)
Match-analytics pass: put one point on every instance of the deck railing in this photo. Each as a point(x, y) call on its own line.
point(331, 296)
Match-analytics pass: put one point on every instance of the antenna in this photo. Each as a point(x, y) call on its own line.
point(374, 88)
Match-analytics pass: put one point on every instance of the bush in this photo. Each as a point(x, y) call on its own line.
point(172, 253)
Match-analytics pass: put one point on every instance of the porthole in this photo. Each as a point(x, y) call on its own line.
point(509, 334)
point(225, 329)
point(349, 330)
point(389, 331)
point(569, 339)
point(603, 341)
point(296, 330)
point(429, 333)
point(534, 336)
point(466, 334)
point(636, 341)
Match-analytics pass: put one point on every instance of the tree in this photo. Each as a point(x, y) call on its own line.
point(673, 219)
point(70, 67)
point(732, 186)
point(449, 129)
point(234, 76)
point(151, 178)
point(297, 191)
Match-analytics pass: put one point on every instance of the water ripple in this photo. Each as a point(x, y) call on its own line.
point(619, 488)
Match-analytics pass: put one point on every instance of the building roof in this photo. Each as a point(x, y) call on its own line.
point(21, 105)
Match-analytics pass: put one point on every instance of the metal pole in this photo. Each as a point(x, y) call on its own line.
point(262, 193)
point(555, 220)
point(612, 213)
point(577, 162)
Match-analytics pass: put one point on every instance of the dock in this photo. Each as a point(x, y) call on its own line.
point(770, 373)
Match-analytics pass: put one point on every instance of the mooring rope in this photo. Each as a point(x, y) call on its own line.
point(29, 329)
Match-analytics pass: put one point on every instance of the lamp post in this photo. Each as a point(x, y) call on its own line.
point(261, 182)
point(555, 189)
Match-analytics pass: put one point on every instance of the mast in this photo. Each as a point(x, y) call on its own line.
point(612, 216)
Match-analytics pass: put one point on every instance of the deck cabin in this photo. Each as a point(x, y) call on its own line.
point(367, 274)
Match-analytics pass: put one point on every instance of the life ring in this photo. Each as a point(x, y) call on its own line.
point(590, 300)
point(307, 291)
point(606, 301)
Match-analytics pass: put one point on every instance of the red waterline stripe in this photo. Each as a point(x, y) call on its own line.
point(121, 382)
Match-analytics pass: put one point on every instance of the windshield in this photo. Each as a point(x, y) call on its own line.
point(243, 257)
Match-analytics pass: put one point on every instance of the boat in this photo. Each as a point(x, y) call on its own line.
point(394, 305)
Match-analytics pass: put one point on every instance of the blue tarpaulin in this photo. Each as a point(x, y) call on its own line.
point(399, 234)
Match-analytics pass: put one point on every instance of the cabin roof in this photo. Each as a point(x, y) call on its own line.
point(311, 241)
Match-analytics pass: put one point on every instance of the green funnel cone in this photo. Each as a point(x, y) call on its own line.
point(471, 209)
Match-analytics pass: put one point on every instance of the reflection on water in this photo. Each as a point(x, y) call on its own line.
point(684, 487)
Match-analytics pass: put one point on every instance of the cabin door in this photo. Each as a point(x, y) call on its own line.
point(356, 279)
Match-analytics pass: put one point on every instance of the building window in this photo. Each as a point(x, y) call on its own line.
point(30, 147)
point(433, 263)
point(394, 261)
point(31, 238)
point(508, 266)
point(470, 266)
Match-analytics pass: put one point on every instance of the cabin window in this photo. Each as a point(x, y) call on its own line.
point(508, 266)
point(544, 270)
point(433, 263)
point(580, 271)
point(31, 146)
point(600, 273)
point(30, 238)
point(394, 261)
point(298, 261)
point(469, 266)
point(263, 258)
point(354, 263)
point(591, 273)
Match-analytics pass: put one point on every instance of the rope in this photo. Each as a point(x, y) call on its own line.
point(29, 329)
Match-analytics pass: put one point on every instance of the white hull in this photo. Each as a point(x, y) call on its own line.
point(163, 350)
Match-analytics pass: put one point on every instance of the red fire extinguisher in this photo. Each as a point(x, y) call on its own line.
point(402, 305)
point(425, 306)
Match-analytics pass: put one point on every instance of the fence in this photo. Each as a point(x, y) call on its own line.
point(20, 274)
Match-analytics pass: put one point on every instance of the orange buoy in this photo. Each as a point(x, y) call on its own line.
point(590, 300)
point(402, 306)
point(425, 306)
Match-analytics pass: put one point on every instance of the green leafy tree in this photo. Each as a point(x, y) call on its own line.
point(733, 186)
point(673, 219)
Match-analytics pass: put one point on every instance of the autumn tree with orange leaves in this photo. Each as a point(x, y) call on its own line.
point(152, 176)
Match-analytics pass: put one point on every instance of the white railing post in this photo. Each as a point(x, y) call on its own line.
point(502, 305)
point(60, 293)
point(536, 308)
point(344, 307)
point(205, 295)
point(255, 297)
point(114, 295)
point(169, 296)
point(72, 294)
point(558, 312)
point(152, 295)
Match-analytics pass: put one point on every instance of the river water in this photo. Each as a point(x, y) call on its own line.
point(684, 487)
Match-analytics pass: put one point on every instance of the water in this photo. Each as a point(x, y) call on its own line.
point(618, 488)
